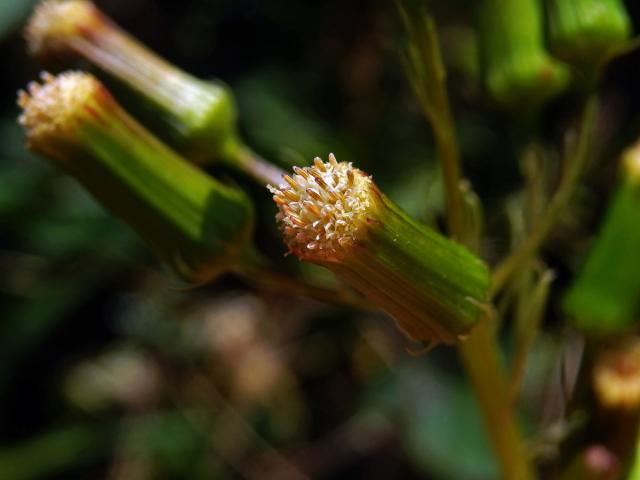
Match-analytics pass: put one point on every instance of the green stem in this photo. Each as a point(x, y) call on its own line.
point(529, 312)
point(439, 113)
point(479, 353)
point(428, 77)
point(559, 202)
point(450, 162)
point(483, 367)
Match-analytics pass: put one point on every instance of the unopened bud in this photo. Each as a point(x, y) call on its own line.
point(605, 296)
point(197, 225)
point(517, 69)
point(332, 214)
point(586, 32)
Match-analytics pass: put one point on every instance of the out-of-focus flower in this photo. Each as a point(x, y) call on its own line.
point(123, 376)
point(616, 375)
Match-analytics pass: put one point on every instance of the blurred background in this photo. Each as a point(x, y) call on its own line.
point(109, 368)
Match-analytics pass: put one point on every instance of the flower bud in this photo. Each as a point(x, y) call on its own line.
point(333, 215)
point(605, 296)
point(586, 32)
point(197, 117)
point(518, 71)
point(197, 225)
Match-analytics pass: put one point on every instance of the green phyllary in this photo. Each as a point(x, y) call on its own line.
point(605, 296)
point(518, 71)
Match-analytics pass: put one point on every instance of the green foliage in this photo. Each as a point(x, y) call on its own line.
point(445, 434)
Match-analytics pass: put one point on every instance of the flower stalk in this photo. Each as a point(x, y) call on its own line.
point(195, 224)
point(333, 215)
point(484, 368)
point(480, 352)
point(197, 117)
point(427, 75)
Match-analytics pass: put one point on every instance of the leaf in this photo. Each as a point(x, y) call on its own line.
point(443, 428)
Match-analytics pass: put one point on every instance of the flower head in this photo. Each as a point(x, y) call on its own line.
point(55, 21)
point(322, 207)
point(49, 108)
point(334, 215)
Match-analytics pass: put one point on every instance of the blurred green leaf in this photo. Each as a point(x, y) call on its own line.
point(443, 428)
